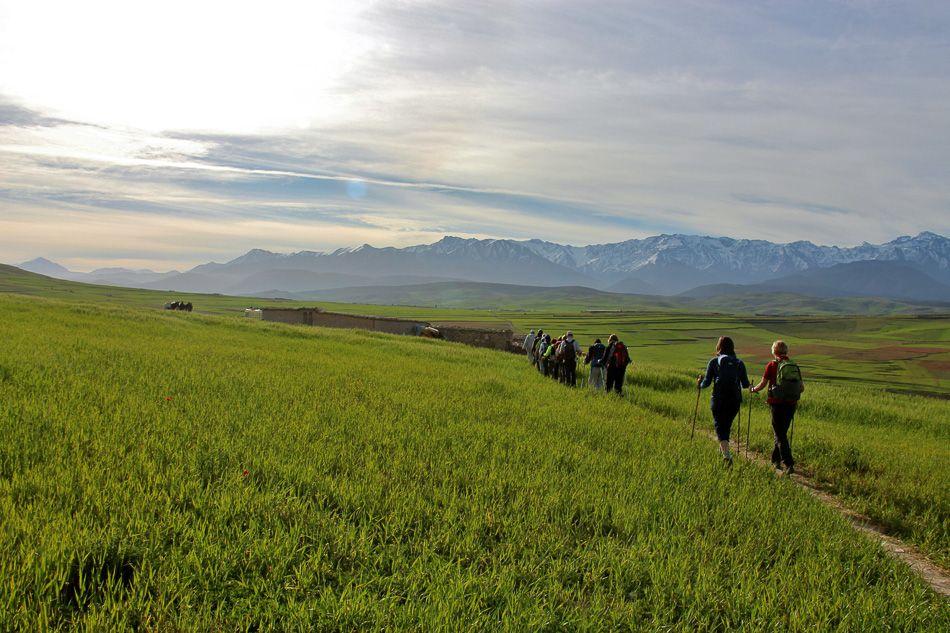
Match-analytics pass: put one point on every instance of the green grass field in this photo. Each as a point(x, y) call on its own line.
point(897, 352)
point(167, 471)
point(411, 483)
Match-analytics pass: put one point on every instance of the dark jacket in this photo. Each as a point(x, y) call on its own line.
point(722, 391)
point(595, 355)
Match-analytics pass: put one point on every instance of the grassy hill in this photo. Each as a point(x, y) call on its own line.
point(895, 280)
point(474, 295)
point(791, 304)
point(15, 280)
point(168, 471)
point(892, 351)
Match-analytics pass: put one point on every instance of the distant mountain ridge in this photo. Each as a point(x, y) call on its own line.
point(43, 266)
point(870, 278)
point(662, 265)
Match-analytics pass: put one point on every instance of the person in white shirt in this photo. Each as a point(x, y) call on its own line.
point(529, 346)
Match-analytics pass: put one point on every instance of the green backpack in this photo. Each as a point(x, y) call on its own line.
point(788, 381)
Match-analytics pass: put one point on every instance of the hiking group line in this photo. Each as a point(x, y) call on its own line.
point(727, 375)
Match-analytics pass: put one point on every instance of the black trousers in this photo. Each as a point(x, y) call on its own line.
point(615, 377)
point(569, 374)
point(724, 412)
point(782, 416)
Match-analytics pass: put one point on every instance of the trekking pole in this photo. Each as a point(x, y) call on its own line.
point(739, 431)
point(695, 412)
point(748, 427)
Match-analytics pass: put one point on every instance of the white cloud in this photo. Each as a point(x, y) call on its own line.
point(570, 121)
point(234, 65)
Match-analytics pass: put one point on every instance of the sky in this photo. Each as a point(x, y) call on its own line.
point(167, 134)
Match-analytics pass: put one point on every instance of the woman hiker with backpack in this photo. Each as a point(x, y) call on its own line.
point(728, 376)
point(784, 380)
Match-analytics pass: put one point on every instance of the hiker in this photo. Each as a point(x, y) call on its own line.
point(536, 348)
point(595, 358)
point(616, 359)
point(528, 346)
point(550, 356)
point(559, 359)
point(543, 365)
point(784, 380)
point(542, 349)
point(727, 374)
point(547, 361)
point(570, 349)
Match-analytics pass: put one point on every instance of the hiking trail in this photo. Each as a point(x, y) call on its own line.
point(936, 577)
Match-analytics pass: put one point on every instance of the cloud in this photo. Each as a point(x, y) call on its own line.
point(810, 207)
point(15, 115)
point(570, 121)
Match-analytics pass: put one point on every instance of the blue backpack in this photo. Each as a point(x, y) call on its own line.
point(727, 379)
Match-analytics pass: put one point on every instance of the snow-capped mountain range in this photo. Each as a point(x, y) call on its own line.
point(663, 264)
point(737, 260)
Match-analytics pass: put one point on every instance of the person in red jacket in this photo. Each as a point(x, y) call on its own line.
point(616, 359)
point(783, 398)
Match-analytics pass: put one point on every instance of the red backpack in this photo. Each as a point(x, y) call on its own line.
point(620, 357)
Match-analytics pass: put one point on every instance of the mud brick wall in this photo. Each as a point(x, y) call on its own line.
point(284, 315)
point(376, 324)
point(313, 316)
point(492, 339)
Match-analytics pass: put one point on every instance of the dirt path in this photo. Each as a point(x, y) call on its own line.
point(934, 575)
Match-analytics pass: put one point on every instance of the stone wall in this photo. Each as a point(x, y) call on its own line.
point(376, 324)
point(284, 315)
point(315, 316)
point(492, 339)
point(477, 337)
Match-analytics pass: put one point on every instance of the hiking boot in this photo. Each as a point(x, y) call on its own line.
point(727, 462)
point(789, 471)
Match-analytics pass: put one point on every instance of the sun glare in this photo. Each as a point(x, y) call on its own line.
point(216, 66)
